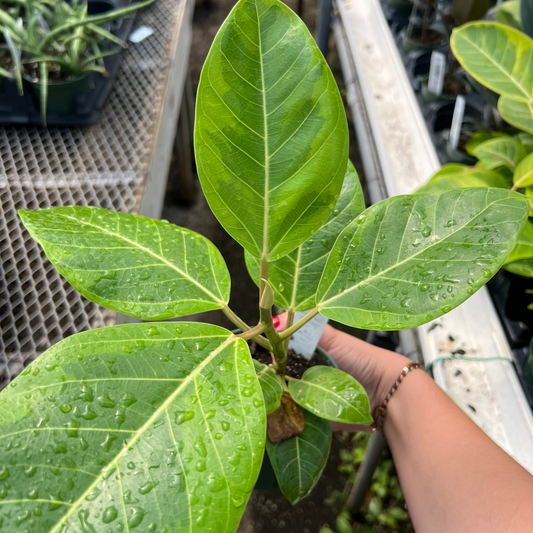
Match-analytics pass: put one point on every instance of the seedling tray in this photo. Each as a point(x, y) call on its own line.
point(16, 109)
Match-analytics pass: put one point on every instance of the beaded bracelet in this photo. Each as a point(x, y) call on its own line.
point(382, 409)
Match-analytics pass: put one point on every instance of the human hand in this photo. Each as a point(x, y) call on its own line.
point(375, 368)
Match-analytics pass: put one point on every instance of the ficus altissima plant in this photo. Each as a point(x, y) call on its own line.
point(162, 426)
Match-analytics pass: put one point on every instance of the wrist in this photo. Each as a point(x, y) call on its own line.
point(391, 371)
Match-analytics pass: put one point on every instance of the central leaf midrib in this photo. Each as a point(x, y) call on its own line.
point(140, 432)
point(265, 128)
point(147, 250)
point(370, 279)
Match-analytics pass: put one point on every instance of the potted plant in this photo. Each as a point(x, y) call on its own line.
point(59, 48)
point(425, 36)
point(163, 425)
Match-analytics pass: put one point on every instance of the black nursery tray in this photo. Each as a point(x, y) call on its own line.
point(16, 109)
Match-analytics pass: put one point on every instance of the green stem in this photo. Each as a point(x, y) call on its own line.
point(251, 333)
point(293, 329)
point(290, 321)
point(263, 276)
point(244, 327)
point(275, 340)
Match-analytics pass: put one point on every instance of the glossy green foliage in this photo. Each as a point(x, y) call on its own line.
point(270, 385)
point(332, 394)
point(141, 427)
point(299, 461)
point(144, 268)
point(410, 259)
point(500, 58)
point(500, 152)
point(461, 177)
point(523, 175)
point(295, 277)
point(271, 135)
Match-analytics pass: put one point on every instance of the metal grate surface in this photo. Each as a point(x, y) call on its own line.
point(102, 165)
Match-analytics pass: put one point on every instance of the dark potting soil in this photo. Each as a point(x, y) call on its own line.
point(296, 364)
point(453, 87)
point(432, 37)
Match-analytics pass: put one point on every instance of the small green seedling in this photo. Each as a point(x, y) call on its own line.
point(162, 426)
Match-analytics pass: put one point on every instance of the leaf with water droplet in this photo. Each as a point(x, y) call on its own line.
point(298, 462)
point(114, 256)
point(96, 470)
point(271, 136)
point(460, 218)
point(270, 385)
point(332, 394)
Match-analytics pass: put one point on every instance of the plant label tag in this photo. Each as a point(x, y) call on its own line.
point(437, 68)
point(140, 34)
point(305, 340)
point(457, 121)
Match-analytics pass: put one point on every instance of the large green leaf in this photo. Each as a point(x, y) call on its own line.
point(524, 245)
point(464, 178)
point(523, 175)
point(332, 394)
point(410, 259)
point(145, 268)
point(271, 135)
point(159, 427)
point(270, 385)
point(299, 461)
point(295, 277)
point(497, 56)
point(517, 113)
point(500, 152)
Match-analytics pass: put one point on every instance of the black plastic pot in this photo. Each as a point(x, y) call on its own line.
point(429, 98)
point(64, 97)
point(411, 44)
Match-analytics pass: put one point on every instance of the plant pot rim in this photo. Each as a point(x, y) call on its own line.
point(36, 81)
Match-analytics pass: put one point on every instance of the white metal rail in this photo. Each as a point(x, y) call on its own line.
point(399, 156)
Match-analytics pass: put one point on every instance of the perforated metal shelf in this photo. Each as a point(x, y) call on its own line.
point(119, 163)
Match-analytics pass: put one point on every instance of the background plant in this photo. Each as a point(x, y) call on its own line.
point(384, 508)
point(59, 38)
point(162, 425)
point(505, 158)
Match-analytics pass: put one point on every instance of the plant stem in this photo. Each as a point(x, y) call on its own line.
point(275, 340)
point(265, 308)
point(290, 321)
point(425, 22)
point(289, 331)
point(251, 333)
point(263, 276)
point(244, 327)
